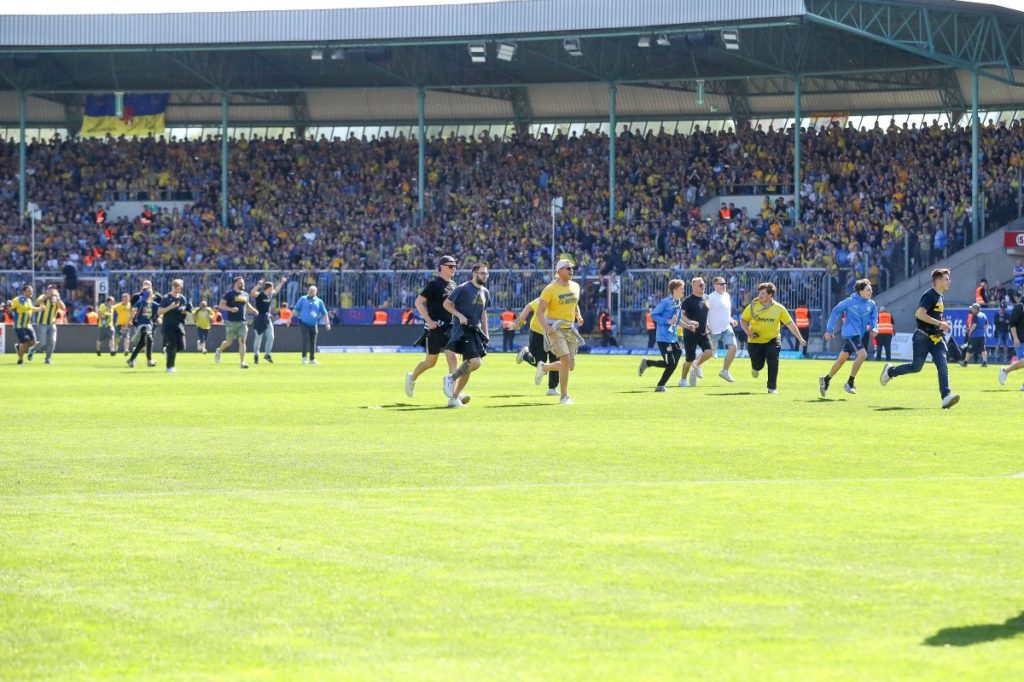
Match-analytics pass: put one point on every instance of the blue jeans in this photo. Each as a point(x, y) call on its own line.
point(923, 346)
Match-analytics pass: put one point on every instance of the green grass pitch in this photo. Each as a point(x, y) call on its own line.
point(294, 522)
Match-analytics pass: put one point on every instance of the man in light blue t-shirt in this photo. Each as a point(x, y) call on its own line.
point(310, 311)
point(977, 336)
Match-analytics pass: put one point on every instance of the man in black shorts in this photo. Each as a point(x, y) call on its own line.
point(173, 308)
point(695, 333)
point(437, 322)
point(468, 305)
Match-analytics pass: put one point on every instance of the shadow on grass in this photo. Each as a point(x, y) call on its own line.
point(405, 407)
point(812, 401)
point(640, 391)
point(722, 395)
point(501, 407)
point(977, 634)
point(895, 408)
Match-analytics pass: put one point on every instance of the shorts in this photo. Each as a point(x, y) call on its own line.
point(563, 342)
point(123, 333)
point(434, 340)
point(726, 338)
point(236, 330)
point(976, 345)
point(853, 345)
point(25, 334)
point(690, 342)
point(104, 333)
point(203, 333)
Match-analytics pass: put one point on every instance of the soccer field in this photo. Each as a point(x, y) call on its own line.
point(299, 522)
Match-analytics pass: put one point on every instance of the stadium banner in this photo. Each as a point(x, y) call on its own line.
point(1013, 241)
point(141, 114)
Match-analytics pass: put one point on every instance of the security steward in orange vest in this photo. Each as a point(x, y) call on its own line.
point(802, 318)
point(508, 332)
point(606, 325)
point(380, 316)
point(408, 317)
point(886, 329)
point(981, 293)
point(652, 329)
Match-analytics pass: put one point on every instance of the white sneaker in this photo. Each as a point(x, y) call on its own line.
point(772, 391)
point(410, 384)
point(554, 391)
point(950, 400)
point(151, 363)
point(642, 368)
point(725, 375)
point(694, 375)
point(538, 376)
point(683, 383)
point(852, 390)
point(1022, 387)
point(1003, 374)
point(305, 361)
point(171, 370)
point(566, 400)
point(448, 385)
point(314, 362)
point(242, 365)
point(755, 372)
point(216, 356)
point(885, 378)
point(455, 402)
point(700, 371)
point(521, 355)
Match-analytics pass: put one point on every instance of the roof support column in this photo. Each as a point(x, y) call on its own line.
point(612, 92)
point(797, 116)
point(421, 164)
point(976, 207)
point(21, 159)
point(224, 159)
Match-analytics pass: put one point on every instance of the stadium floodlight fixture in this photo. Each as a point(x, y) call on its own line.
point(573, 47)
point(643, 41)
point(506, 51)
point(338, 55)
point(477, 52)
point(731, 39)
point(663, 41)
point(316, 55)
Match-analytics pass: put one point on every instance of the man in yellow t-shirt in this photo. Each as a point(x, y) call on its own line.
point(203, 317)
point(535, 352)
point(123, 324)
point(23, 309)
point(762, 320)
point(105, 326)
point(557, 310)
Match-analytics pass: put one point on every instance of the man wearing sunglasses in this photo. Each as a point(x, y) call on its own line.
point(437, 322)
point(721, 324)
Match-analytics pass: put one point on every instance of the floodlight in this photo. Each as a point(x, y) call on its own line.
point(477, 52)
point(573, 47)
point(338, 55)
point(643, 41)
point(506, 51)
point(316, 55)
point(731, 40)
point(663, 41)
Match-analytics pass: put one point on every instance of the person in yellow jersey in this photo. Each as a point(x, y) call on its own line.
point(558, 310)
point(203, 317)
point(535, 352)
point(123, 324)
point(762, 321)
point(105, 327)
point(50, 305)
point(22, 309)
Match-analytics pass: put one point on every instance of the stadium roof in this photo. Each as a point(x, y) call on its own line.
point(367, 65)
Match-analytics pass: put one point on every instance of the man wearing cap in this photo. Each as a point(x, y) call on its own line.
point(977, 335)
point(234, 304)
point(437, 322)
point(558, 309)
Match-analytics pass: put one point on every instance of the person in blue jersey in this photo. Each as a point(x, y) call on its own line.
point(22, 309)
point(234, 304)
point(928, 339)
point(144, 307)
point(977, 336)
point(667, 315)
point(860, 321)
point(310, 311)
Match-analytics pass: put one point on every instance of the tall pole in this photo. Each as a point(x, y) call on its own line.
point(796, 150)
point(976, 207)
point(21, 159)
point(612, 91)
point(224, 159)
point(421, 165)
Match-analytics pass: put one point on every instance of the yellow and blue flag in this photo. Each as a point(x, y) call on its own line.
point(141, 114)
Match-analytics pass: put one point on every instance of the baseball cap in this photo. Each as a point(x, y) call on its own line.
point(446, 260)
point(564, 263)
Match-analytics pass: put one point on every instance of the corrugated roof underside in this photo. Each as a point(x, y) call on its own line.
point(508, 17)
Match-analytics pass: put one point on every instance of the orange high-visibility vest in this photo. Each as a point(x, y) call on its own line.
point(91, 317)
point(803, 317)
point(285, 314)
point(507, 318)
point(605, 322)
point(978, 297)
point(649, 321)
point(885, 324)
point(380, 317)
point(725, 213)
point(407, 317)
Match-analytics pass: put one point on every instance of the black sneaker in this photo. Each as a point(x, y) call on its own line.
point(98, 353)
point(21, 361)
point(256, 359)
point(823, 385)
point(268, 359)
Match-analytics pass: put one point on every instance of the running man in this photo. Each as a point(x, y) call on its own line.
point(977, 337)
point(437, 322)
point(173, 309)
point(468, 305)
point(144, 306)
point(23, 309)
point(1017, 337)
point(535, 352)
point(695, 333)
point(721, 324)
point(263, 326)
point(123, 324)
point(309, 311)
point(49, 305)
point(762, 321)
point(235, 303)
point(861, 319)
point(666, 316)
point(203, 317)
point(105, 327)
point(559, 312)
point(928, 339)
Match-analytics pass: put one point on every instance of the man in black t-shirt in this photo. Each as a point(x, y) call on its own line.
point(234, 304)
point(173, 308)
point(928, 339)
point(468, 304)
point(144, 309)
point(437, 322)
point(695, 333)
point(262, 297)
point(1017, 336)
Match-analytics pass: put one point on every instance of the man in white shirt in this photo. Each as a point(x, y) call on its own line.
point(721, 324)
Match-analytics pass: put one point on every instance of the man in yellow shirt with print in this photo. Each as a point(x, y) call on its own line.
point(558, 310)
point(123, 324)
point(105, 326)
point(762, 321)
